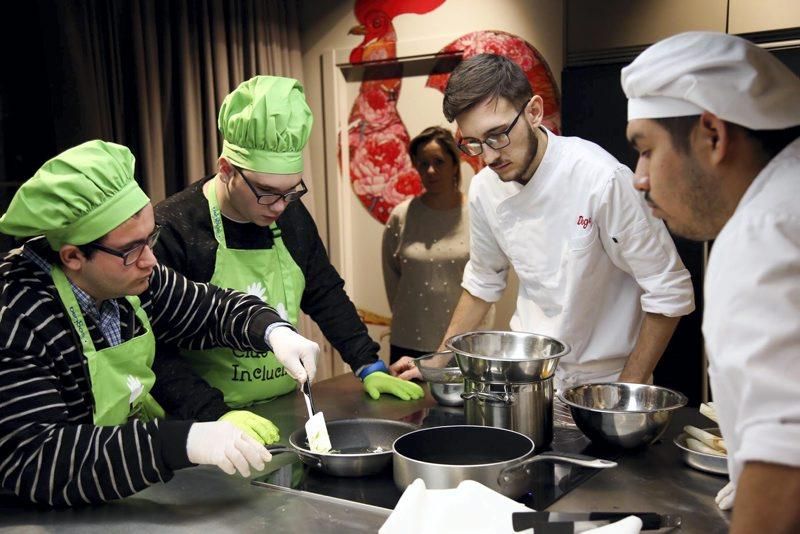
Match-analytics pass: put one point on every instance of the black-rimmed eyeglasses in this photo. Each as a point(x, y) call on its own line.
point(131, 255)
point(472, 146)
point(268, 199)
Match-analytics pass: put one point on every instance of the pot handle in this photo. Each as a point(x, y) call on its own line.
point(522, 468)
point(502, 398)
point(281, 448)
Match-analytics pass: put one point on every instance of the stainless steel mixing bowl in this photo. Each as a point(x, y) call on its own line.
point(448, 394)
point(439, 368)
point(621, 414)
point(506, 357)
point(441, 371)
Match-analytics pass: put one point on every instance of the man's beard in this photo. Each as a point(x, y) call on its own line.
point(705, 206)
point(526, 169)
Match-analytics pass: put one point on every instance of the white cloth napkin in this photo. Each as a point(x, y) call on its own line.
point(469, 508)
point(629, 525)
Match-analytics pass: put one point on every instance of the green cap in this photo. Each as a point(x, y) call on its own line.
point(265, 123)
point(77, 197)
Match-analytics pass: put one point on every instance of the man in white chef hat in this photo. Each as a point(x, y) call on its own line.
point(716, 122)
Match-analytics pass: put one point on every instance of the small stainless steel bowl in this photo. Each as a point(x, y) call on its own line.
point(439, 368)
point(506, 357)
point(441, 371)
point(448, 394)
point(621, 414)
point(710, 463)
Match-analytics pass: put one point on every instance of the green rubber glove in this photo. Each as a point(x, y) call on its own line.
point(260, 429)
point(380, 382)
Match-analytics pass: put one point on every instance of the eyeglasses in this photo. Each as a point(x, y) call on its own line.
point(268, 199)
point(472, 146)
point(132, 255)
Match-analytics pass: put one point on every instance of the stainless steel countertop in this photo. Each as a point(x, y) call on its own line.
point(656, 479)
point(651, 480)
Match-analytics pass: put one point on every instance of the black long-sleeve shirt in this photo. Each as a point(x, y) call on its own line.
point(187, 244)
point(50, 450)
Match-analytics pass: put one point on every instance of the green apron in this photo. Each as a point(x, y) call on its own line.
point(245, 377)
point(121, 376)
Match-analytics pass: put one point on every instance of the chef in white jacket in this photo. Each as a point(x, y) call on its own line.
point(596, 270)
point(716, 122)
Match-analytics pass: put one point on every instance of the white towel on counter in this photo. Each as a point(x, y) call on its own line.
point(469, 508)
point(629, 525)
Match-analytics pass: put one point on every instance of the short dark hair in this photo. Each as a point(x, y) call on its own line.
point(771, 141)
point(444, 138)
point(679, 129)
point(54, 258)
point(481, 77)
point(88, 250)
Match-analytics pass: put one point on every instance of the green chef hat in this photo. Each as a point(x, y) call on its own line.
point(77, 197)
point(265, 123)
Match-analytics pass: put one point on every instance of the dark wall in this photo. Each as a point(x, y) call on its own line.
point(27, 136)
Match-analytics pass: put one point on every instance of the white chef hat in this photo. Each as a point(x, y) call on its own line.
point(732, 78)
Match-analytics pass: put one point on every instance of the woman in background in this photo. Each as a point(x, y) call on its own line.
point(425, 248)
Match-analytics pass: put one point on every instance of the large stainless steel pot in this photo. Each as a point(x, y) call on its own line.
point(498, 458)
point(508, 380)
point(526, 408)
point(364, 446)
point(506, 357)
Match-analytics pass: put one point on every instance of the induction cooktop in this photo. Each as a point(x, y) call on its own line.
point(550, 480)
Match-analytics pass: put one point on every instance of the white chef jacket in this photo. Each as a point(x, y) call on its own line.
point(590, 257)
point(752, 319)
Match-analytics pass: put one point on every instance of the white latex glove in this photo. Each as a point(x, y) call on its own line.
point(225, 445)
point(726, 496)
point(297, 354)
point(629, 525)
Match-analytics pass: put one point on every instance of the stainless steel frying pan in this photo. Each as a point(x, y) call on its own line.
point(361, 446)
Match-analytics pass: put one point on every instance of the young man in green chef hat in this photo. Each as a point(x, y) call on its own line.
point(243, 228)
point(82, 304)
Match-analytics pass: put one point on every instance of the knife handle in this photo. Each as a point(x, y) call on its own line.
point(650, 520)
point(543, 527)
point(524, 520)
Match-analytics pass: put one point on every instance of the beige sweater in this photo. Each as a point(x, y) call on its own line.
point(424, 254)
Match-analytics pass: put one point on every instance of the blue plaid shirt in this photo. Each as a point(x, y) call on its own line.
point(106, 318)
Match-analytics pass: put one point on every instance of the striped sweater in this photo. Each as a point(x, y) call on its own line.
point(50, 450)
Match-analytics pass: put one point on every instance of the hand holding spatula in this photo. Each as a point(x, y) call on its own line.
point(316, 431)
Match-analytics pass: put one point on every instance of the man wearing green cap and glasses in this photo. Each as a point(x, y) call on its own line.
point(243, 229)
point(81, 305)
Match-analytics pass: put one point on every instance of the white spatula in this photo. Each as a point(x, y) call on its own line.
point(316, 431)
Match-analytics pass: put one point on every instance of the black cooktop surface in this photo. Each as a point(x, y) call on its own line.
point(551, 480)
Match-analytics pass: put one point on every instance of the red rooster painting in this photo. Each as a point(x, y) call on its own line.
point(381, 172)
point(380, 168)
